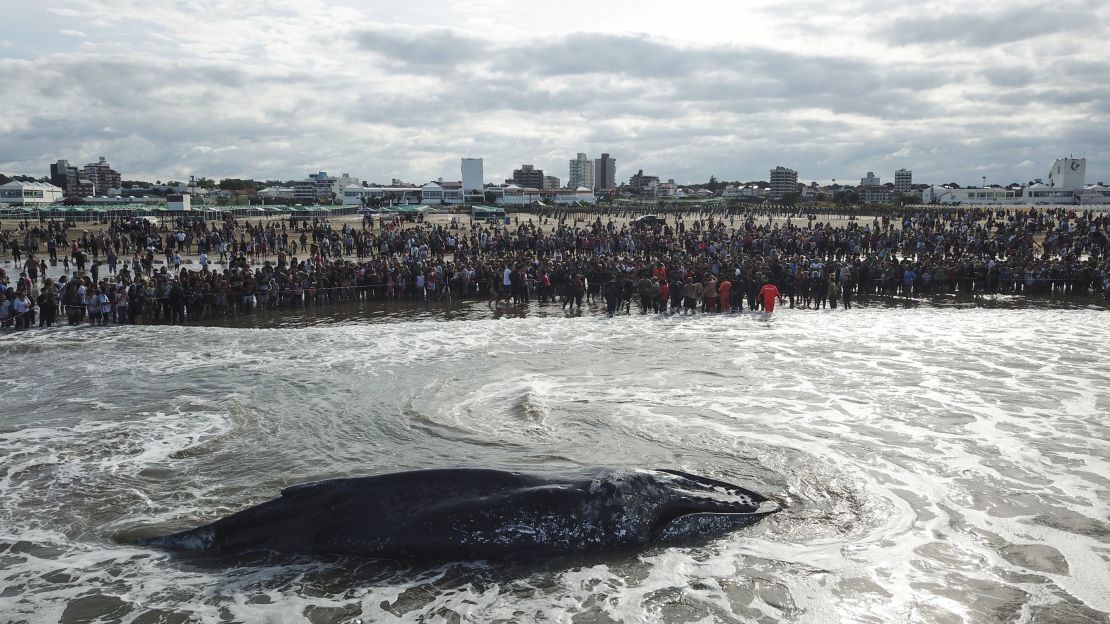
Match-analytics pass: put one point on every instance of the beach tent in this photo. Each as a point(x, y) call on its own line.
point(487, 212)
point(406, 209)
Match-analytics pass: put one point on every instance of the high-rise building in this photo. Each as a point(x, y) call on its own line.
point(581, 172)
point(903, 181)
point(870, 180)
point(472, 175)
point(605, 172)
point(64, 176)
point(73, 181)
point(528, 177)
point(550, 182)
point(103, 177)
point(783, 181)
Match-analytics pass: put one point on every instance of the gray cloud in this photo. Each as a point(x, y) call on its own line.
point(982, 30)
point(587, 53)
point(405, 100)
point(437, 47)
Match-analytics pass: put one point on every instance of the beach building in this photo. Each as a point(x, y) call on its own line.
point(516, 195)
point(1065, 185)
point(446, 193)
point(454, 195)
point(1094, 194)
point(23, 193)
point(179, 202)
point(276, 192)
point(566, 196)
point(988, 195)
point(432, 194)
point(358, 195)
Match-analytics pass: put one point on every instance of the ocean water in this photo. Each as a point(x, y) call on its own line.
point(936, 464)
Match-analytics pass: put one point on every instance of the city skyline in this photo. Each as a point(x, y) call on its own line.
point(274, 90)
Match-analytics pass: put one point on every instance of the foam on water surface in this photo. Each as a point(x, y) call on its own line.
point(934, 463)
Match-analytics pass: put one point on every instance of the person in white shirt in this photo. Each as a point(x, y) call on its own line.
point(105, 306)
point(24, 305)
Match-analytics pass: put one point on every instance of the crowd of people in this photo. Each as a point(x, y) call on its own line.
point(133, 271)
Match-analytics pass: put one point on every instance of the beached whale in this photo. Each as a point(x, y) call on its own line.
point(467, 513)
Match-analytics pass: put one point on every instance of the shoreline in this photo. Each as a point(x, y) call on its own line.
point(369, 312)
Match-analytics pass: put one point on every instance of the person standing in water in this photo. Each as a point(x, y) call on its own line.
point(768, 294)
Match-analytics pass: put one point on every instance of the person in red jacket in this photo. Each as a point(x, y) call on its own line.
point(768, 294)
point(724, 290)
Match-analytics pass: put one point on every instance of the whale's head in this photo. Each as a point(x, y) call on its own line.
point(690, 506)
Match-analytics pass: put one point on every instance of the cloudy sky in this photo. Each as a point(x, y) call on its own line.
point(402, 89)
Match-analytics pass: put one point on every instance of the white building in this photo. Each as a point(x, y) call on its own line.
point(522, 196)
point(1095, 194)
point(513, 195)
point(990, 195)
point(1068, 174)
point(432, 194)
point(276, 192)
point(749, 191)
point(472, 175)
point(18, 193)
point(1065, 186)
point(581, 172)
point(870, 180)
point(574, 196)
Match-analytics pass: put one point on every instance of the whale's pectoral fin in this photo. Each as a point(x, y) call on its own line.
point(707, 523)
point(199, 539)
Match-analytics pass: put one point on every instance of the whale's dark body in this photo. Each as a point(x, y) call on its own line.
point(461, 514)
